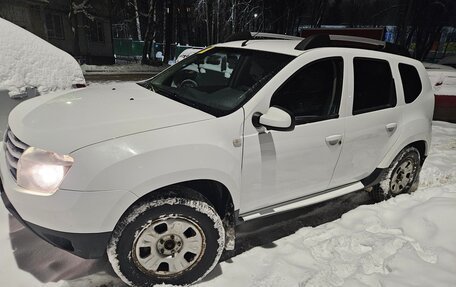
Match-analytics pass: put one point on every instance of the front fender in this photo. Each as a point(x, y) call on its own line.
point(144, 162)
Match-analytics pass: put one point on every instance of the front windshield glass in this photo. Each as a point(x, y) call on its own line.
point(218, 80)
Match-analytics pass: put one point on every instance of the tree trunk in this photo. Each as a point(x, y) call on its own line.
point(208, 24)
point(138, 26)
point(169, 30)
point(149, 35)
point(75, 27)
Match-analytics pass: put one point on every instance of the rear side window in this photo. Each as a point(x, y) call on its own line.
point(411, 82)
point(374, 86)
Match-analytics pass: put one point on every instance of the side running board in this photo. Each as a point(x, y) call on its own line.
point(303, 201)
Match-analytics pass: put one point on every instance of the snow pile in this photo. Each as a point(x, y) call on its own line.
point(443, 79)
point(28, 61)
point(440, 167)
point(405, 241)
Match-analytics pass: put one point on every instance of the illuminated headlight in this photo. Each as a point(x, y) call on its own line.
point(41, 171)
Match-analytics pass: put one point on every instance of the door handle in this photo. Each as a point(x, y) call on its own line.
point(333, 140)
point(391, 127)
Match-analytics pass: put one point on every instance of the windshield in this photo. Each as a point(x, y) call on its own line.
point(218, 80)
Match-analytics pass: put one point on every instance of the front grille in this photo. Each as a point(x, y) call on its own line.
point(13, 150)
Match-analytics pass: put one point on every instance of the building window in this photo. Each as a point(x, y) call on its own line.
point(54, 26)
point(96, 33)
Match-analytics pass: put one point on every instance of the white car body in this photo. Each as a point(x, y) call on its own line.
point(129, 142)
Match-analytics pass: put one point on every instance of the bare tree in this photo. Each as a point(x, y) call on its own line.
point(149, 35)
point(78, 7)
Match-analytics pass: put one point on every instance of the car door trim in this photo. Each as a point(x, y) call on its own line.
point(303, 201)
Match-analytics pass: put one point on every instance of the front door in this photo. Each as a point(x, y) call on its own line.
point(285, 165)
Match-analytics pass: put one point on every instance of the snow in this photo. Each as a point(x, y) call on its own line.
point(29, 61)
point(121, 68)
point(443, 79)
point(405, 241)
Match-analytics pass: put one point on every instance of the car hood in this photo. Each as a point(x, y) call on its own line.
point(69, 121)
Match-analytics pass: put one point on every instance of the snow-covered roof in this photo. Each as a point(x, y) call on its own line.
point(29, 61)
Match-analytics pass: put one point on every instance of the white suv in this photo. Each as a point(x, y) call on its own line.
point(158, 174)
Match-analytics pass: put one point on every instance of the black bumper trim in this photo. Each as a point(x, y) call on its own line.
point(85, 245)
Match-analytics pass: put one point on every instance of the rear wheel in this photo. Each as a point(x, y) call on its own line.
point(172, 240)
point(402, 176)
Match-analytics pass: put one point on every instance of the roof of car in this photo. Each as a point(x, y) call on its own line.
point(295, 46)
point(275, 46)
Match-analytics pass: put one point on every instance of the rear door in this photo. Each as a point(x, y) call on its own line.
point(373, 126)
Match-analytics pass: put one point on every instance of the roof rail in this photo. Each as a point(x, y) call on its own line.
point(325, 40)
point(260, 35)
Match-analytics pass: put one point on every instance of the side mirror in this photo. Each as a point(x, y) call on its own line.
point(276, 118)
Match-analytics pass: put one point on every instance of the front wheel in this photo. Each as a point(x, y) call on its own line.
point(402, 176)
point(173, 240)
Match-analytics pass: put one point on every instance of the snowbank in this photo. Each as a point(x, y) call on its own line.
point(121, 68)
point(28, 61)
point(443, 79)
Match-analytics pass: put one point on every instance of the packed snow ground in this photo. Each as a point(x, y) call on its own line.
point(29, 61)
point(405, 241)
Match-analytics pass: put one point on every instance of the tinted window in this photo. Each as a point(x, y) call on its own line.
point(374, 86)
point(314, 92)
point(218, 80)
point(411, 82)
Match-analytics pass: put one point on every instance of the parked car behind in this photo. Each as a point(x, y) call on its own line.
point(30, 65)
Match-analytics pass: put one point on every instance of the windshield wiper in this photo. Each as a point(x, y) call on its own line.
point(147, 85)
point(175, 96)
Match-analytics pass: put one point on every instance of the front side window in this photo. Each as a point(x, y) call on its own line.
point(314, 92)
point(373, 87)
point(218, 80)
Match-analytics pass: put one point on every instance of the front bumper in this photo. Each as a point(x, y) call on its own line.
point(80, 222)
point(85, 245)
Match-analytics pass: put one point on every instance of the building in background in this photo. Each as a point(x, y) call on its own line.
point(55, 21)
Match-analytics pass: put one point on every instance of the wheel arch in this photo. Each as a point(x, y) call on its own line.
point(375, 177)
point(420, 142)
point(213, 191)
point(422, 147)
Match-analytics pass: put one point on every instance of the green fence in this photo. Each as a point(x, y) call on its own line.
point(128, 47)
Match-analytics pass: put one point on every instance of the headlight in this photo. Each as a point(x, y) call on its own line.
point(41, 171)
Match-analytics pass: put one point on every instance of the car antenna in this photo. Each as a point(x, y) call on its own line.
point(253, 36)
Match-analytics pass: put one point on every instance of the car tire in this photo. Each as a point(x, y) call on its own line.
point(172, 239)
point(402, 176)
